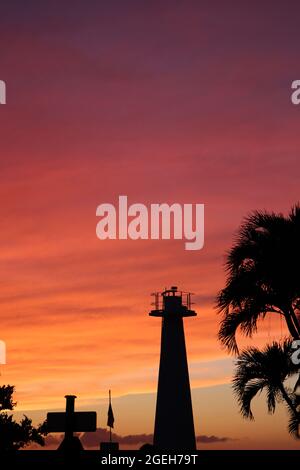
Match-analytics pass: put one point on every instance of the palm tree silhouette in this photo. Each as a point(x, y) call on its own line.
point(268, 370)
point(262, 276)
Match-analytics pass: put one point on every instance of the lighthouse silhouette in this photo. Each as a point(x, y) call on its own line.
point(174, 423)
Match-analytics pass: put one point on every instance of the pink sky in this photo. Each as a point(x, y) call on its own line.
point(171, 102)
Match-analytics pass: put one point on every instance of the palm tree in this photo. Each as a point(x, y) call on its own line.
point(268, 370)
point(262, 276)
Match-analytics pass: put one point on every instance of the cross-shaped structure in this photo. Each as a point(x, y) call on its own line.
point(70, 422)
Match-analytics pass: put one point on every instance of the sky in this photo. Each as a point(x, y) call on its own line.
point(185, 102)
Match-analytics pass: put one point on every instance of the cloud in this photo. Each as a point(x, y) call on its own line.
point(212, 439)
point(92, 440)
point(102, 435)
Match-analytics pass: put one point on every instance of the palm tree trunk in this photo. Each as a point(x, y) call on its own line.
point(295, 321)
point(291, 325)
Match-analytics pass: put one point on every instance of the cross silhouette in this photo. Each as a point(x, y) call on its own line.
point(70, 422)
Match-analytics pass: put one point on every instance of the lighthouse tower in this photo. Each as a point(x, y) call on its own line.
point(174, 424)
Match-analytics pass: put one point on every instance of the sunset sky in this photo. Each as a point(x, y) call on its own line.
point(169, 101)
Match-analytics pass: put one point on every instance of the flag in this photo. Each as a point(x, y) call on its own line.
point(110, 417)
point(110, 414)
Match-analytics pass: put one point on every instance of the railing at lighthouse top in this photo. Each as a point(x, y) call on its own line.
point(172, 302)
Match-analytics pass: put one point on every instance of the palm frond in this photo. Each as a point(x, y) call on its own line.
point(294, 425)
point(264, 369)
point(246, 396)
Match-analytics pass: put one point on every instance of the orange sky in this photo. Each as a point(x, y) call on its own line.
point(163, 103)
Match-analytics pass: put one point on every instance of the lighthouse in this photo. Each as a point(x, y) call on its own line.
point(174, 423)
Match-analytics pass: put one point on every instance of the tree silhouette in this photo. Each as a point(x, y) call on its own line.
point(262, 276)
point(268, 370)
point(13, 435)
